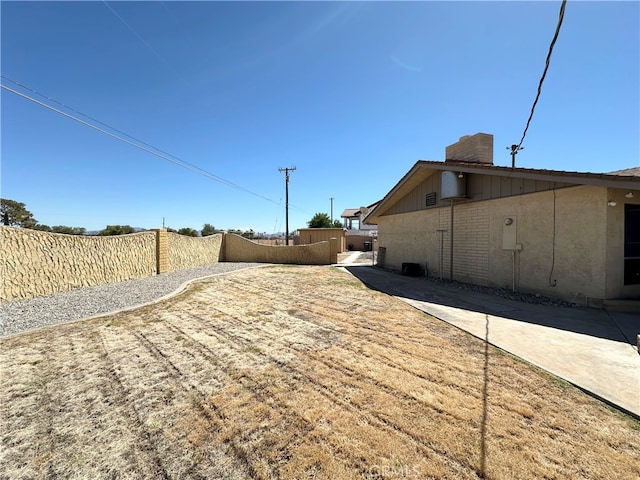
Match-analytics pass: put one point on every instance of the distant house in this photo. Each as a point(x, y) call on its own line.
point(571, 235)
point(352, 218)
point(360, 236)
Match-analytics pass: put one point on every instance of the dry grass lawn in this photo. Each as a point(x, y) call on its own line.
point(292, 373)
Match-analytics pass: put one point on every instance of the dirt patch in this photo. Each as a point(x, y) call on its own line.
point(292, 372)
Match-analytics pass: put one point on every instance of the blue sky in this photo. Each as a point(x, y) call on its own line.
point(351, 93)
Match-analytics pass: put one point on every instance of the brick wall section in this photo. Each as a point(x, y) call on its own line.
point(476, 148)
point(471, 243)
point(189, 252)
point(34, 263)
point(162, 250)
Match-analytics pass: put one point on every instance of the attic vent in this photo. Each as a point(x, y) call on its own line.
point(430, 199)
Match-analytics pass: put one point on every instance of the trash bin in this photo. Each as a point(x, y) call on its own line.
point(367, 246)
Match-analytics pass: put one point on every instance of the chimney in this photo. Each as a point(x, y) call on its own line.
point(476, 148)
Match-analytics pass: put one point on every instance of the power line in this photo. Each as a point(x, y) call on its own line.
point(146, 44)
point(515, 148)
point(135, 143)
point(40, 94)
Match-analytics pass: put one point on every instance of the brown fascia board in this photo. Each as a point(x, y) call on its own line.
point(611, 180)
point(412, 179)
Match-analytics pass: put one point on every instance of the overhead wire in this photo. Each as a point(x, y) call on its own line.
point(110, 127)
point(144, 42)
point(133, 142)
point(544, 73)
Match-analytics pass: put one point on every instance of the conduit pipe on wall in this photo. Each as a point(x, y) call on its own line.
point(513, 270)
point(451, 245)
point(441, 263)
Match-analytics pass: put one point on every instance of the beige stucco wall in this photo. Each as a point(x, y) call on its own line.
point(357, 242)
point(411, 237)
point(34, 263)
point(587, 241)
point(307, 236)
point(239, 249)
point(575, 270)
point(189, 252)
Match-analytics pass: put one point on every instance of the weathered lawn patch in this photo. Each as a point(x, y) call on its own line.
point(292, 372)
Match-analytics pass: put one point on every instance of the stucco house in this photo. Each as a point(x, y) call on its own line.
point(570, 235)
point(352, 215)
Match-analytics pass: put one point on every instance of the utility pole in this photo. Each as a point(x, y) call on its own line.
point(286, 176)
point(514, 152)
point(331, 211)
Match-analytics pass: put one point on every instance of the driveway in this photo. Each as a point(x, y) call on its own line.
point(590, 348)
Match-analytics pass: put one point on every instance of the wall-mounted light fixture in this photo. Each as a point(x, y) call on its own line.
point(508, 221)
point(612, 204)
point(629, 195)
point(461, 175)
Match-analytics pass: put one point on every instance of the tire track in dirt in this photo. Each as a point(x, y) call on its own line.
point(377, 347)
point(354, 321)
point(283, 408)
point(373, 418)
point(216, 415)
point(184, 387)
point(44, 444)
point(350, 346)
point(356, 376)
point(213, 415)
point(119, 393)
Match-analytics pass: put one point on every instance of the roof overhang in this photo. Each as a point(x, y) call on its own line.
point(423, 169)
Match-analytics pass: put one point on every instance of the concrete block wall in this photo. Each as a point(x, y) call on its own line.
point(34, 263)
point(239, 249)
point(308, 236)
point(356, 242)
point(188, 252)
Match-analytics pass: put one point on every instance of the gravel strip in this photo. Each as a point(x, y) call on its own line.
point(22, 315)
point(507, 293)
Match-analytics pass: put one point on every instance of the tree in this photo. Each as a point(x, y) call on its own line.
point(249, 234)
point(189, 232)
point(320, 220)
point(117, 230)
point(16, 214)
point(68, 230)
point(208, 229)
point(337, 224)
point(42, 228)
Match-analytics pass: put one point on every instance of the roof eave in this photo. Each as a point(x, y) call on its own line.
point(577, 178)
